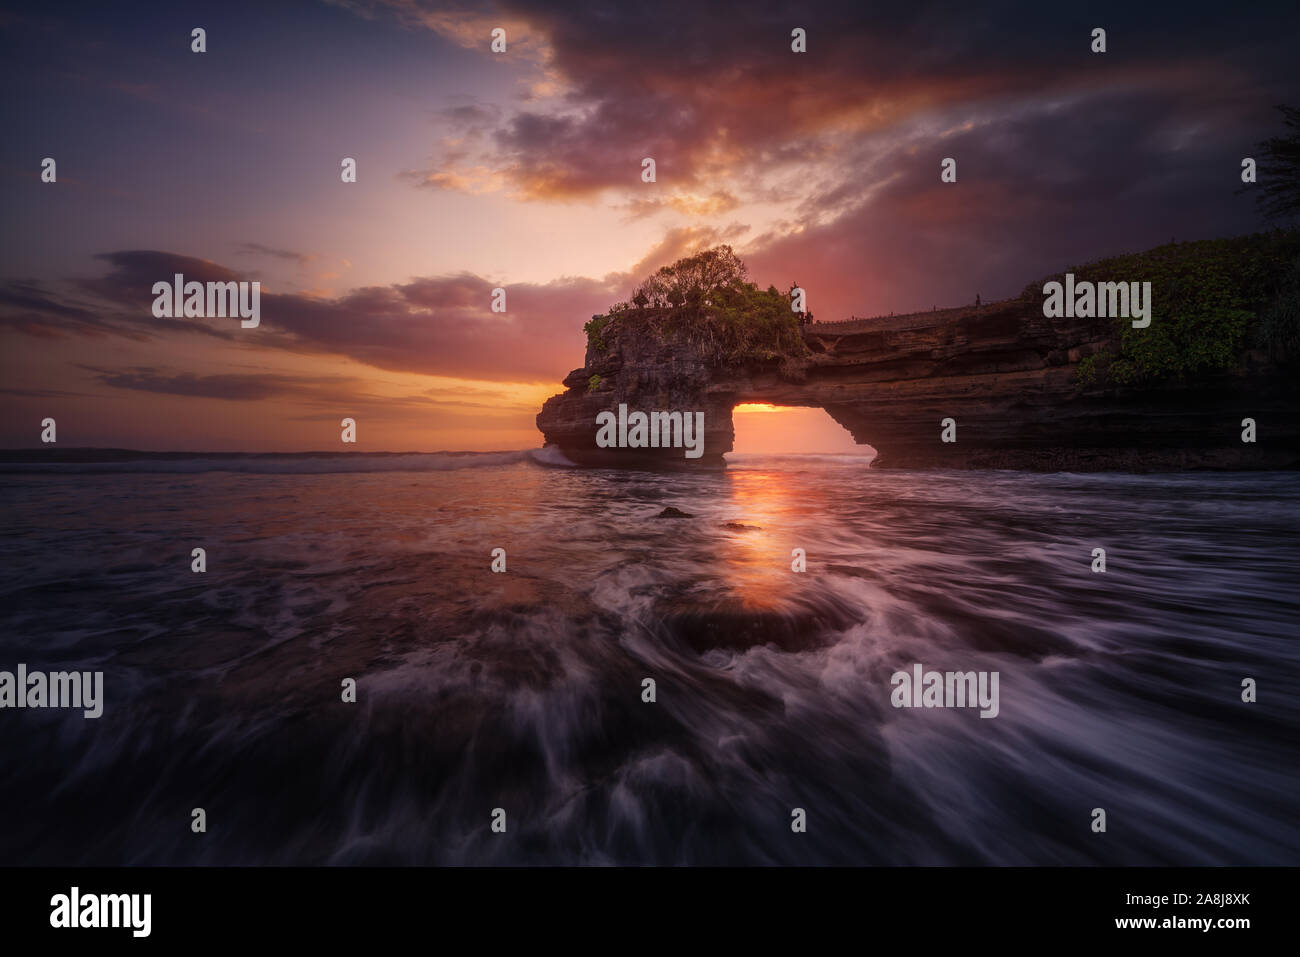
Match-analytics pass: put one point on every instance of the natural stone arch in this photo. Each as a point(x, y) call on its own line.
point(1004, 373)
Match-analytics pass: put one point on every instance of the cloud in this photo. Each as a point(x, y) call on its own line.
point(287, 254)
point(715, 95)
point(38, 393)
point(436, 325)
point(1063, 155)
point(690, 204)
point(440, 325)
point(821, 166)
point(450, 405)
point(242, 387)
point(118, 303)
point(444, 325)
point(1036, 190)
point(680, 242)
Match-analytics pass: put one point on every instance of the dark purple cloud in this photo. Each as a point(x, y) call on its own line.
point(713, 89)
point(440, 325)
point(288, 255)
point(1064, 155)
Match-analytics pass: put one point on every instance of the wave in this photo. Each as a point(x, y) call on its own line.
point(91, 461)
point(550, 455)
point(774, 688)
point(762, 459)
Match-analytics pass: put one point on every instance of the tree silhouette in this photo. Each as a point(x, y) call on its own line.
point(694, 281)
point(707, 299)
point(1278, 193)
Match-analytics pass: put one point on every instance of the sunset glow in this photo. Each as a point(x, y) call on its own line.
point(521, 172)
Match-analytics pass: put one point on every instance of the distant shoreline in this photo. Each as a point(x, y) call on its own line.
point(130, 455)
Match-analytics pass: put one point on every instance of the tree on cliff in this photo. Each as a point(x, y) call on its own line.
point(707, 301)
point(1278, 193)
point(693, 281)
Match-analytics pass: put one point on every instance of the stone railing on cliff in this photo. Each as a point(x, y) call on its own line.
point(866, 324)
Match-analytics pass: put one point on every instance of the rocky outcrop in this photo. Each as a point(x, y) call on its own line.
point(1003, 372)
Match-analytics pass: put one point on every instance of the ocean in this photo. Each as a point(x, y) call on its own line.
point(518, 697)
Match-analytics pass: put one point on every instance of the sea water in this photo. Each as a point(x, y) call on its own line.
point(524, 691)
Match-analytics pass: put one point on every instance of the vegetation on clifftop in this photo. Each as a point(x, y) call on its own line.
point(1215, 299)
point(706, 300)
point(1278, 190)
point(1211, 301)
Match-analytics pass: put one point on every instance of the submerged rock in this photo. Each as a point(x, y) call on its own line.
point(736, 625)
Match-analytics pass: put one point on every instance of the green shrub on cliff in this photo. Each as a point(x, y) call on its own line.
point(1279, 323)
point(1211, 300)
point(706, 300)
point(595, 330)
point(1086, 373)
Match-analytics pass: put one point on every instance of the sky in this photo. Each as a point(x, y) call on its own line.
point(522, 170)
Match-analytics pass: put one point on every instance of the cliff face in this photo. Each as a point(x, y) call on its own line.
point(647, 375)
point(1004, 372)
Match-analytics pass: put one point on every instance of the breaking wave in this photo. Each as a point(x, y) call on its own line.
point(303, 463)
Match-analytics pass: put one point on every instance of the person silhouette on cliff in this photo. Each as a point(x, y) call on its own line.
point(977, 300)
